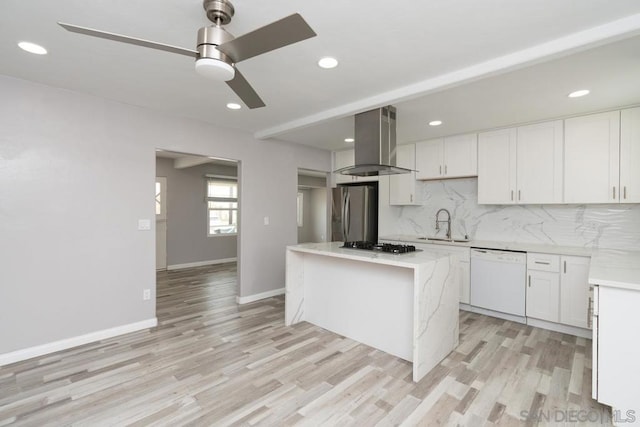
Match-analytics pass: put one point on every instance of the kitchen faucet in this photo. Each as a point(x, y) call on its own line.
point(448, 221)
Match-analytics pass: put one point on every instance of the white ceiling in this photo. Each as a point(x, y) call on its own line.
point(473, 64)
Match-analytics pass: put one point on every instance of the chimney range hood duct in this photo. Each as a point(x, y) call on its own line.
point(375, 144)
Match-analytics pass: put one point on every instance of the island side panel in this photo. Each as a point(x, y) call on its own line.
point(362, 300)
point(294, 288)
point(436, 317)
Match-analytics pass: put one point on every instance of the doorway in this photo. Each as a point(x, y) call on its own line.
point(161, 223)
point(197, 206)
point(312, 206)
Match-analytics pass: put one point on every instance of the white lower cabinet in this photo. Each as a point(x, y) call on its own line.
point(574, 291)
point(543, 287)
point(558, 289)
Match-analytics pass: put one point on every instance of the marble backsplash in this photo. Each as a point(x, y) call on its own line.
point(592, 226)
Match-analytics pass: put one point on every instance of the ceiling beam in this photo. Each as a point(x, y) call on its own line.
point(597, 36)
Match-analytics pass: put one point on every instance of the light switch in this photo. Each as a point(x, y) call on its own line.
point(266, 220)
point(144, 224)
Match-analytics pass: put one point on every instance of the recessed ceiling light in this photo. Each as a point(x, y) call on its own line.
point(435, 123)
point(328, 62)
point(32, 48)
point(349, 140)
point(233, 106)
point(579, 93)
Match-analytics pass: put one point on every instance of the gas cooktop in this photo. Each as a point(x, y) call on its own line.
point(381, 247)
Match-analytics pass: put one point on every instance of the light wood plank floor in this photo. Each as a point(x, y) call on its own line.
point(212, 362)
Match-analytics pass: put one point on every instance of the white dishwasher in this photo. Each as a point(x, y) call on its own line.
point(498, 280)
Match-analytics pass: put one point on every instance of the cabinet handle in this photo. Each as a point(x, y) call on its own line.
point(624, 190)
point(529, 280)
point(411, 198)
point(445, 169)
point(519, 195)
point(614, 193)
point(565, 267)
point(542, 262)
point(512, 195)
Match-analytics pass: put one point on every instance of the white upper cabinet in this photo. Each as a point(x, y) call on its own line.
point(592, 158)
point(521, 165)
point(429, 158)
point(461, 156)
point(630, 156)
point(402, 188)
point(451, 157)
point(539, 163)
point(497, 166)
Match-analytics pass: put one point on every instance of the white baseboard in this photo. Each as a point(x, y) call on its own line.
point(558, 327)
point(200, 263)
point(52, 347)
point(498, 314)
point(256, 297)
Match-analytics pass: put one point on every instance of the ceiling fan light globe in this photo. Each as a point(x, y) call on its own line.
point(215, 69)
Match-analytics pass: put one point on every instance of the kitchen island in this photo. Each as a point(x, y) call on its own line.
point(403, 304)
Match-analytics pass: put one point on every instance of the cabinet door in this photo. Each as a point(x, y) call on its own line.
point(591, 158)
point(465, 282)
point(574, 291)
point(402, 187)
point(539, 163)
point(429, 156)
point(460, 156)
point(497, 167)
point(342, 159)
point(630, 155)
point(543, 294)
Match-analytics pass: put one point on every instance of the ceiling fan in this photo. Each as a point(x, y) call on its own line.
point(218, 52)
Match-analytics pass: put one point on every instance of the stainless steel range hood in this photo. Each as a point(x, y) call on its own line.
point(375, 145)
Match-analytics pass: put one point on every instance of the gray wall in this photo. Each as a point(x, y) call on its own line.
point(187, 239)
point(76, 174)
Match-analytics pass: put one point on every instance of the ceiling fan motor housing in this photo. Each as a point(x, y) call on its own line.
point(210, 61)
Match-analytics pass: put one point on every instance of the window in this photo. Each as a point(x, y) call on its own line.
point(222, 206)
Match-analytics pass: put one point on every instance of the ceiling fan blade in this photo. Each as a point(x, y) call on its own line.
point(286, 31)
point(243, 89)
point(127, 39)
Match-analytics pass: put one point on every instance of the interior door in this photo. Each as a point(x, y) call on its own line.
point(161, 223)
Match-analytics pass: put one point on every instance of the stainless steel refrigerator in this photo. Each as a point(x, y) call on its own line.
point(354, 215)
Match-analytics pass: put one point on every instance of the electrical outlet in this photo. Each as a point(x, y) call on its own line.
point(266, 220)
point(146, 294)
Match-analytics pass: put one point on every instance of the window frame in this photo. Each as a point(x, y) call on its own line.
point(207, 199)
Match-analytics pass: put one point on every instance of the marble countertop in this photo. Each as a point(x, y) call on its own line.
point(490, 244)
point(410, 260)
point(609, 267)
point(615, 268)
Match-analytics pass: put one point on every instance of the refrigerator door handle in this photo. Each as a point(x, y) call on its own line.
point(344, 216)
point(348, 215)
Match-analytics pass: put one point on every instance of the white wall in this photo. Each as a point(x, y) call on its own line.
point(591, 226)
point(76, 174)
